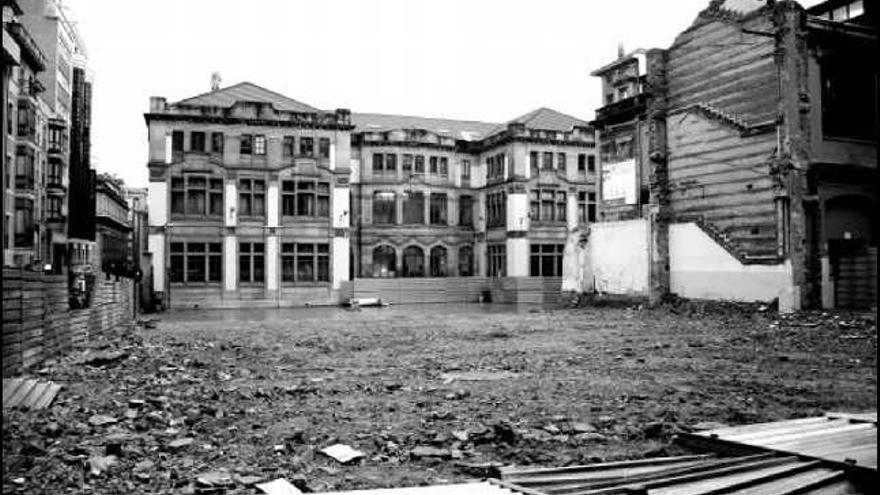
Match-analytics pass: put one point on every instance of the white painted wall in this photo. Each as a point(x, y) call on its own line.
point(272, 262)
point(230, 264)
point(156, 245)
point(332, 164)
point(339, 254)
point(229, 201)
point(157, 203)
point(702, 269)
point(341, 208)
point(518, 257)
point(619, 257)
point(272, 210)
point(517, 211)
point(577, 272)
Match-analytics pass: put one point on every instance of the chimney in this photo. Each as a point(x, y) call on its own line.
point(157, 104)
point(215, 81)
point(620, 50)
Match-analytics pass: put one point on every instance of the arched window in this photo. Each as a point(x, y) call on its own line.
point(466, 261)
point(384, 262)
point(438, 261)
point(413, 262)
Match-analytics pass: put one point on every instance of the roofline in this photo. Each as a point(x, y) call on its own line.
point(620, 60)
point(314, 109)
point(353, 114)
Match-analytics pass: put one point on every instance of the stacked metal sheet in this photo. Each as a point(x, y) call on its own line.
point(28, 393)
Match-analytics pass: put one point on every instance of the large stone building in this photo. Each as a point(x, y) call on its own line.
point(753, 139)
point(256, 198)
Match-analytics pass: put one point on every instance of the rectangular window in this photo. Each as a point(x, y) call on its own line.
point(178, 196)
point(586, 207)
point(546, 260)
point(548, 160)
point(24, 222)
point(305, 197)
point(324, 147)
point(438, 209)
point(849, 98)
point(560, 162)
point(305, 262)
point(288, 146)
point(547, 205)
point(378, 162)
point(216, 142)
point(420, 164)
point(497, 260)
point(414, 208)
point(247, 144)
point(196, 262)
point(496, 209)
point(466, 211)
point(197, 141)
point(250, 262)
point(465, 170)
point(433, 165)
point(591, 163)
point(177, 141)
point(307, 146)
point(533, 163)
point(24, 167)
point(591, 207)
point(215, 198)
point(407, 163)
point(391, 163)
point(259, 145)
point(444, 165)
point(582, 165)
point(177, 257)
point(196, 195)
point(251, 197)
point(384, 206)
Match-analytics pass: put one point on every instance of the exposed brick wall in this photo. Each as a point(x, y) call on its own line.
point(37, 321)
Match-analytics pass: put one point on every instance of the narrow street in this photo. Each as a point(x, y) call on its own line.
point(428, 394)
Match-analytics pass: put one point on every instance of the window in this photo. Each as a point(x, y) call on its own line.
point(546, 260)
point(848, 97)
point(196, 195)
point(324, 147)
point(288, 145)
point(196, 262)
point(495, 167)
point(548, 161)
point(305, 197)
point(305, 262)
point(251, 197)
point(533, 163)
point(560, 162)
point(24, 222)
point(438, 209)
point(407, 163)
point(420, 164)
point(586, 207)
point(10, 118)
point(414, 208)
point(582, 165)
point(547, 205)
point(27, 119)
point(497, 259)
point(496, 209)
point(413, 262)
point(197, 141)
point(466, 261)
point(384, 206)
point(307, 146)
point(444, 165)
point(216, 142)
point(24, 167)
point(247, 144)
point(378, 162)
point(391, 163)
point(465, 170)
point(466, 210)
point(384, 262)
point(438, 262)
point(591, 163)
point(433, 165)
point(259, 145)
point(177, 141)
point(54, 207)
point(250, 262)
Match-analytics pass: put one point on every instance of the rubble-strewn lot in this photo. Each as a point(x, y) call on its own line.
point(212, 401)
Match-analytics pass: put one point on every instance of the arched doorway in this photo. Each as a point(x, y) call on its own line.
point(413, 262)
point(384, 262)
point(438, 262)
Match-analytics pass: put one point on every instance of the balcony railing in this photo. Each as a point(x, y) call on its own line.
point(624, 109)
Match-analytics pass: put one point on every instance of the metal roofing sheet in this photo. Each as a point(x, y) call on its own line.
point(477, 488)
point(246, 91)
point(28, 393)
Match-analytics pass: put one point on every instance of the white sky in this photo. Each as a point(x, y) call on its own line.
point(474, 60)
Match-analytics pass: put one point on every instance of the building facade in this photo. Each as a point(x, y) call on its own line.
point(759, 145)
point(258, 199)
point(113, 227)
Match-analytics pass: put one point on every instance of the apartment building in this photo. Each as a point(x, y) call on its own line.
point(259, 199)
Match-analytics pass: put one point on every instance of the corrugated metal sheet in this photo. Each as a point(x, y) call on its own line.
point(28, 393)
point(848, 439)
point(688, 475)
point(479, 488)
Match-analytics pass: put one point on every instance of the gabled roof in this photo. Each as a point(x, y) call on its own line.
point(247, 91)
point(547, 119)
point(467, 130)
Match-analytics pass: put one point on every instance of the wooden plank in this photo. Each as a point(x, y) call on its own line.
point(20, 393)
point(48, 397)
point(10, 386)
point(35, 393)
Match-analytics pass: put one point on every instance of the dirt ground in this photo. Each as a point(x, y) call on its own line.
point(212, 401)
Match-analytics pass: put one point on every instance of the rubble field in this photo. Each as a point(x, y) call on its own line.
point(216, 401)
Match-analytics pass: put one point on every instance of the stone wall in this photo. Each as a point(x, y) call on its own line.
point(38, 323)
